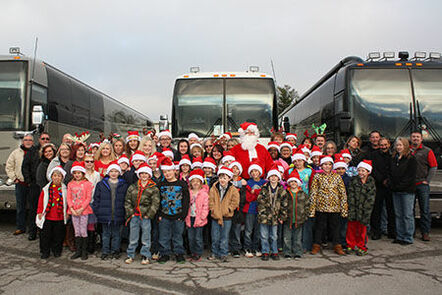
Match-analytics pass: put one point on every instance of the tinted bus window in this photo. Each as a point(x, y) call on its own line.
point(80, 104)
point(12, 93)
point(59, 97)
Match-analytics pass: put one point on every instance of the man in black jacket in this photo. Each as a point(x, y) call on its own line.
point(29, 170)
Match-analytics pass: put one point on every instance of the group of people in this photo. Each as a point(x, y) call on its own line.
point(230, 195)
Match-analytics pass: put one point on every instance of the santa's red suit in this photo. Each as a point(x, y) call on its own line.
point(243, 157)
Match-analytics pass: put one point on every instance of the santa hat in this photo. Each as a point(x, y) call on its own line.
point(325, 158)
point(196, 144)
point(155, 156)
point(192, 135)
point(209, 163)
point(236, 164)
point(132, 135)
point(167, 164)
point(255, 164)
point(274, 171)
point(166, 133)
point(78, 166)
point(225, 170)
point(247, 126)
point(185, 160)
point(93, 144)
point(123, 159)
point(58, 169)
point(339, 162)
point(286, 144)
point(367, 164)
point(291, 135)
point(346, 154)
point(304, 149)
point(226, 135)
point(113, 165)
point(150, 134)
point(177, 165)
point(198, 174)
point(227, 156)
point(144, 168)
point(316, 151)
point(167, 152)
point(197, 163)
point(138, 155)
point(294, 176)
point(273, 144)
point(299, 155)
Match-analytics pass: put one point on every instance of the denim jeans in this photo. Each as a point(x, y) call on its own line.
point(403, 210)
point(280, 236)
point(251, 233)
point(269, 238)
point(195, 236)
point(423, 198)
point(21, 193)
point(307, 234)
point(155, 236)
point(136, 223)
point(171, 231)
point(111, 238)
point(343, 231)
point(33, 196)
point(220, 238)
point(235, 237)
point(293, 239)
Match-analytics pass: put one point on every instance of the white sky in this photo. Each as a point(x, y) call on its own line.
point(133, 50)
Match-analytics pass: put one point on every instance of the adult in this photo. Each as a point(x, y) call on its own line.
point(250, 149)
point(182, 149)
point(292, 138)
point(403, 176)
point(320, 140)
point(118, 146)
point(165, 139)
point(208, 145)
point(373, 145)
point(308, 142)
point(14, 172)
point(353, 144)
point(193, 138)
point(78, 151)
point(426, 169)
point(63, 159)
point(47, 154)
point(67, 138)
point(330, 148)
point(132, 142)
point(381, 161)
point(217, 153)
point(285, 149)
point(277, 137)
point(147, 146)
point(231, 143)
point(103, 157)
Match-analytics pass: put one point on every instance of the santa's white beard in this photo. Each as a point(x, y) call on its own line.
point(249, 142)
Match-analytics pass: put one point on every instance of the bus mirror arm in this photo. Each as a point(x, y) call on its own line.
point(345, 122)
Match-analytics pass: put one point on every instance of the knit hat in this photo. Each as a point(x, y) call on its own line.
point(78, 166)
point(197, 173)
point(247, 126)
point(316, 151)
point(57, 169)
point(227, 156)
point(166, 164)
point(138, 155)
point(209, 163)
point(346, 154)
point(367, 164)
point(113, 165)
point(236, 164)
point(273, 144)
point(144, 168)
point(339, 162)
point(292, 135)
point(225, 170)
point(197, 163)
point(123, 159)
point(185, 160)
point(325, 158)
point(294, 176)
point(133, 135)
point(299, 155)
point(274, 171)
point(166, 133)
point(255, 164)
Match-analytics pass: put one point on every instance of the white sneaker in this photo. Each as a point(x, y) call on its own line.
point(155, 256)
point(258, 254)
point(249, 254)
point(129, 260)
point(145, 260)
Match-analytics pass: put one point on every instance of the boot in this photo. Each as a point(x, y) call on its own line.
point(91, 244)
point(84, 249)
point(77, 253)
point(338, 249)
point(315, 249)
point(70, 238)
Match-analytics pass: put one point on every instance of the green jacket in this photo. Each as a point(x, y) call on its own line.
point(296, 207)
point(269, 207)
point(148, 204)
point(361, 199)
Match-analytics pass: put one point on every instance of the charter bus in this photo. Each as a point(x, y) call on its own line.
point(392, 95)
point(216, 102)
point(68, 105)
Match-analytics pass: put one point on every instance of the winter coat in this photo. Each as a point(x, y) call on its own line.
point(224, 209)
point(102, 205)
point(202, 207)
point(79, 196)
point(381, 166)
point(360, 199)
point(239, 215)
point(327, 194)
point(14, 163)
point(30, 164)
point(295, 207)
point(40, 175)
point(270, 207)
point(147, 204)
point(403, 174)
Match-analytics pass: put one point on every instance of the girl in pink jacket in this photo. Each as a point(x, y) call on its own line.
point(79, 194)
point(198, 211)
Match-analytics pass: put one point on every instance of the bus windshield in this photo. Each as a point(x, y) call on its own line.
point(12, 93)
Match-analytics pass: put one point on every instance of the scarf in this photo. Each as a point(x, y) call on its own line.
point(141, 189)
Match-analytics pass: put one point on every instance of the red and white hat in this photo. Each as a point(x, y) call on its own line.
point(138, 155)
point(78, 166)
point(58, 169)
point(197, 163)
point(226, 135)
point(346, 154)
point(316, 151)
point(299, 155)
point(198, 174)
point(367, 164)
point(339, 162)
point(167, 164)
point(325, 158)
point(196, 144)
point(227, 156)
point(225, 170)
point(192, 135)
point(144, 168)
point(177, 165)
point(273, 144)
point(274, 171)
point(294, 176)
point(113, 165)
point(133, 135)
point(93, 144)
point(166, 133)
point(185, 160)
point(236, 164)
point(209, 163)
point(123, 159)
point(156, 156)
point(255, 164)
point(167, 152)
point(248, 126)
point(304, 149)
point(291, 135)
point(286, 144)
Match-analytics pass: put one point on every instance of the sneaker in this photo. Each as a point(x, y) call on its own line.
point(236, 254)
point(361, 252)
point(249, 254)
point(145, 260)
point(155, 256)
point(258, 254)
point(129, 260)
point(105, 256)
point(349, 250)
point(211, 257)
point(275, 257)
point(180, 259)
point(265, 257)
point(222, 259)
point(288, 256)
point(163, 259)
point(116, 255)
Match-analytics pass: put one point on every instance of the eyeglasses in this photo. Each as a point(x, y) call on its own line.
point(88, 161)
point(27, 140)
point(45, 138)
point(209, 145)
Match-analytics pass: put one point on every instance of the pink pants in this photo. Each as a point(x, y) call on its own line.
point(80, 225)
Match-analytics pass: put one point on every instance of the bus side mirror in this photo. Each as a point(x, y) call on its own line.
point(164, 123)
point(345, 122)
point(286, 124)
point(37, 115)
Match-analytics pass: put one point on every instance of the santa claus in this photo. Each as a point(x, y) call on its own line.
point(250, 149)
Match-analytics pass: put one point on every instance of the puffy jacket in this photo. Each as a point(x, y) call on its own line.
point(14, 163)
point(148, 203)
point(224, 209)
point(30, 164)
point(202, 207)
point(296, 207)
point(403, 174)
point(270, 208)
point(79, 196)
point(102, 205)
point(360, 199)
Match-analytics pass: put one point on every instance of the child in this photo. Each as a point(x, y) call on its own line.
point(328, 201)
point(351, 170)
point(141, 204)
point(79, 198)
point(296, 207)
point(223, 200)
point(136, 160)
point(153, 163)
point(185, 165)
point(168, 153)
point(174, 205)
point(227, 158)
point(94, 177)
point(361, 194)
point(197, 163)
point(51, 214)
point(270, 214)
point(197, 216)
point(209, 167)
point(108, 206)
point(341, 168)
point(124, 163)
point(292, 138)
point(315, 157)
point(253, 188)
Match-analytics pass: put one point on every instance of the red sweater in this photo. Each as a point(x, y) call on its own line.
point(53, 213)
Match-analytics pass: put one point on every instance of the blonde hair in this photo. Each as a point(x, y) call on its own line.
point(97, 156)
point(122, 142)
point(145, 140)
point(66, 145)
point(405, 142)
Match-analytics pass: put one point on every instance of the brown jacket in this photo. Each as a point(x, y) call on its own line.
point(224, 209)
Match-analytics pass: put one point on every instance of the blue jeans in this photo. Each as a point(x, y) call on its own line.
point(423, 197)
point(21, 193)
point(269, 238)
point(195, 235)
point(251, 228)
point(235, 237)
point(171, 231)
point(220, 238)
point(136, 223)
point(343, 231)
point(155, 245)
point(111, 238)
point(293, 239)
point(307, 234)
point(404, 212)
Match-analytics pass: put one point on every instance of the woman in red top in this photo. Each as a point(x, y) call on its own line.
point(103, 157)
